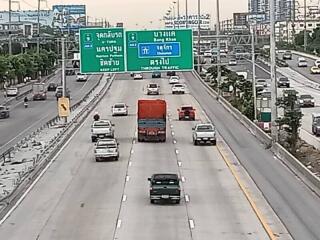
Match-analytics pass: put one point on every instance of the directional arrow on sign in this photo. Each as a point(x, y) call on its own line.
point(64, 107)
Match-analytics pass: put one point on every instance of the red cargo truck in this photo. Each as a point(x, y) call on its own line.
point(152, 120)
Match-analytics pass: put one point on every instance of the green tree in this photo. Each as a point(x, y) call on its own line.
point(291, 120)
point(18, 66)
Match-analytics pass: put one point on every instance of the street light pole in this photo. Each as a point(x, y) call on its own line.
point(198, 61)
point(38, 37)
point(254, 92)
point(274, 112)
point(10, 40)
point(218, 48)
point(186, 13)
point(305, 40)
point(63, 71)
point(178, 12)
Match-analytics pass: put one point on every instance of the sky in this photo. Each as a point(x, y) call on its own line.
point(138, 13)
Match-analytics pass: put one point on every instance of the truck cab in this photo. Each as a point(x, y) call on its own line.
point(165, 187)
point(39, 92)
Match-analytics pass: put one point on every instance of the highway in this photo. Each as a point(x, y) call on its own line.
point(23, 121)
point(78, 198)
point(296, 82)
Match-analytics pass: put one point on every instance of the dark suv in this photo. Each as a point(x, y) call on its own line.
point(283, 82)
point(165, 186)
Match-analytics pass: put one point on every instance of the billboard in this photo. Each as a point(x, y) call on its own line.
point(205, 21)
point(30, 16)
point(69, 17)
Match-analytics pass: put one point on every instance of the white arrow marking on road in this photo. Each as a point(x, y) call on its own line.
point(191, 223)
point(179, 164)
point(119, 223)
point(187, 198)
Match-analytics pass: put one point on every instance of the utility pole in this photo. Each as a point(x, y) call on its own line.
point(38, 33)
point(274, 112)
point(218, 48)
point(174, 15)
point(10, 40)
point(199, 35)
point(63, 71)
point(305, 42)
point(178, 11)
point(293, 22)
point(186, 13)
point(254, 92)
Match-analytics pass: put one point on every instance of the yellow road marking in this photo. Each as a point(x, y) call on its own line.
point(247, 195)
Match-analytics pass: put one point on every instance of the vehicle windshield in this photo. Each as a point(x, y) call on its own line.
point(101, 124)
point(12, 89)
point(119, 106)
point(178, 85)
point(2, 108)
point(283, 79)
point(305, 96)
point(261, 81)
point(174, 77)
point(205, 128)
point(187, 108)
point(106, 145)
point(153, 85)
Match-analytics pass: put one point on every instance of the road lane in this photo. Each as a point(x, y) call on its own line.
point(80, 199)
point(23, 121)
point(295, 204)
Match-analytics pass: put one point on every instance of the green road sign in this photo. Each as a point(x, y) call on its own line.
point(157, 50)
point(102, 50)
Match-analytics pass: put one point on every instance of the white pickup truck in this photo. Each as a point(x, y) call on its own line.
point(178, 88)
point(204, 133)
point(102, 129)
point(106, 149)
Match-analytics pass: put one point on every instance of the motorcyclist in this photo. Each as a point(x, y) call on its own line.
point(96, 116)
point(25, 100)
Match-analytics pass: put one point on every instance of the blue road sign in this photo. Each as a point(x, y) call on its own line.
point(163, 49)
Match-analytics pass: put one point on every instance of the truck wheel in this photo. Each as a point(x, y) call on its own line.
point(93, 139)
point(178, 201)
point(152, 201)
point(214, 142)
point(195, 142)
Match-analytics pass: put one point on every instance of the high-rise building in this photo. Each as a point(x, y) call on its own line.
point(283, 8)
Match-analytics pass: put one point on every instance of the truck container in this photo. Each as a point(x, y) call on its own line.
point(152, 120)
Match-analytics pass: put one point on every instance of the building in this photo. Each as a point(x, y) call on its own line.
point(283, 9)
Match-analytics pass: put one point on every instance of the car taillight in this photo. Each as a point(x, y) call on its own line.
point(151, 188)
point(142, 131)
point(162, 132)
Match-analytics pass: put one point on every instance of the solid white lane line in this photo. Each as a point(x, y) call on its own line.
point(127, 178)
point(119, 223)
point(183, 179)
point(132, 151)
point(39, 177)
point(191, 224)
point(134, 141)
point(187, 198)
point(124, 198)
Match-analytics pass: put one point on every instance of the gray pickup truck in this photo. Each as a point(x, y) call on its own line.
point(165, 187)
point(204, 133)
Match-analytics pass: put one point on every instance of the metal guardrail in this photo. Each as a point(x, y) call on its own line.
point(50, 123)
point(294, 164)
point(52, 149)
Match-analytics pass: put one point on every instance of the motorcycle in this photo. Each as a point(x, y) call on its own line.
point(25, 104)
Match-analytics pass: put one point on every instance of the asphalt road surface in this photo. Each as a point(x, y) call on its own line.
point(78, 198)
point(25, 120)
